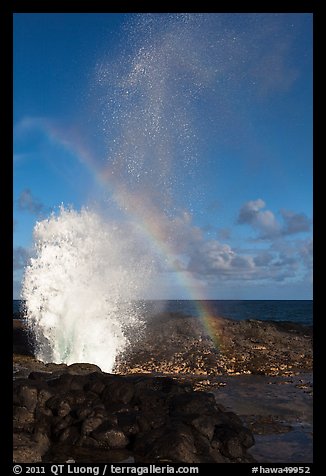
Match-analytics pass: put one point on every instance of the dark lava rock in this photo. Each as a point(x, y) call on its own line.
point(26, 395)
point(118, 390)
point(193, 404)
point(175, 344)
point(182, 345)
point(25, 449)
point(69, 435)
point(90, 424)
point(82, 369)
point(111, 438)
point(22, 416)
point(151, 419)
point(174, 443)
point(205, 425)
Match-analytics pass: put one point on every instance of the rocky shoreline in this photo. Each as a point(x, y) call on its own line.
point(177, 344)
point(156, 406)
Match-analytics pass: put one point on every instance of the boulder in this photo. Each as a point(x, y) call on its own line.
point(153, 419)
point(205, 425)
point(22, 416)
point(82, 369)
point(69, 435)
point(118, 390)
point(28, 397)
point(29, 448)
point(90, 424)
point(174, 443)
point(111, 438)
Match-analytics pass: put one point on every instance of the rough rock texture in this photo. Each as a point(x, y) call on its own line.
point(149, 418)
point(177, 344)
point(174, 344)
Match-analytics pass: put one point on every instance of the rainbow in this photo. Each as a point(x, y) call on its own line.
point(139, 208)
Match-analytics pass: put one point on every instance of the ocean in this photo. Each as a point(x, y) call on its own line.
point(300, 312)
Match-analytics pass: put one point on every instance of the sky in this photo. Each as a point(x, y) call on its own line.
point(198, 127)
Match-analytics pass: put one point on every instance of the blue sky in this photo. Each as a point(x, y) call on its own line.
point(229, 160)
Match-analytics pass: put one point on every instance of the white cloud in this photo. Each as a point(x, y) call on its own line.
point(265, 222)
point(263, 259)
point(214, 261)
point(243, 262)
point(249, 211)
point(295, 222)
point(213, 258)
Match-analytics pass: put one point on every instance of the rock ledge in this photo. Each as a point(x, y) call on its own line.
point(83, 414)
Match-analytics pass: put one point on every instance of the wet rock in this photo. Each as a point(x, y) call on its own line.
point(63, 409)
point(118, 390)
point(266, 424)
point(69, 435)
point(29, 448)
point(233, 448)
point(128, 423)
point(230, 442)
point(88, 442)
point(151, 402)
point(44, 395)
point(90, 424)
point(27, 454)
point(205, 425)
point(22, 416)
point(180, 345)
point(59, 380)
point(79, 397)
point(216, 456)
point(51, 367)
point(175, 443)
point(53, 403)
point(111, 438)
point(59, 424)
point(82, 369)
point(95, 384)
point(42, 440)
point(193, 403)
point(39, 375)
point(83, 412)
point(151, 418)
point(246, 437)
point(28, 397)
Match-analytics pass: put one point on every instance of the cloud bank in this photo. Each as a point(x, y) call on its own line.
point(281, 256)
point(265, 223)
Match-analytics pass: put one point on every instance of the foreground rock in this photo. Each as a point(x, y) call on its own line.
point(69, 412)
